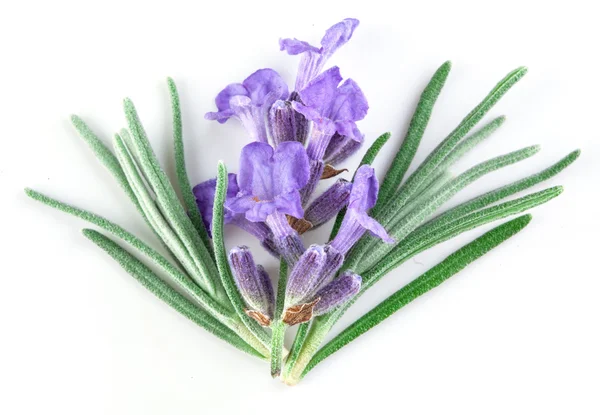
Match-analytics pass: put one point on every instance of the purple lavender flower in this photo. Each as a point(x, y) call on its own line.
point(313, 58)
point(338, 292)
point(254, 285)
point(269, 182)
point(326, 206)
point(340, 148)
point(287, 124)
point(305, 275)
point(250, 101)
point(205, 199)
point(332, 108)
point(311, 289)
point(357, 221)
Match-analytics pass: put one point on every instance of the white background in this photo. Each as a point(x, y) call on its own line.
point(516, 332)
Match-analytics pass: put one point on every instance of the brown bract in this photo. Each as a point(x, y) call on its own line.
point(329, 171)
point(260, 317)
point(299, 225)
point(300, 313)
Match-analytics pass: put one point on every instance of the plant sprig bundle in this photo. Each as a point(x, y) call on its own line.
point(299, 139)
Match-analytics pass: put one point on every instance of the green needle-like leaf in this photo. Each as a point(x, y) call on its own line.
point(184, 281)
point(416, 129)
point(182, 177)
point(503, 192)
point(368, 251)
point(105, 156)
point(167, 199)
point(223, 264)
point(429, 280)
point(163, 291)
point(155, 215)
point(367, 159)
point(429, 166)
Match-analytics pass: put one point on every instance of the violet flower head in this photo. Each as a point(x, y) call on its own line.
point(312, 289)
point(250, 101)
point(356, 222)
point(326, 206)
point(287, 124)
point(314, 58)
point(269, 181)
point(333, 108)
point(254, 285)
point(337, 293)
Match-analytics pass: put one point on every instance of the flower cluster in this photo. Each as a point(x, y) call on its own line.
point(298, 139)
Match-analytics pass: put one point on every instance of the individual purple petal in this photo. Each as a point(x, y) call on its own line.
point(356, 221)
point(338, 35)
point(290, 167)
point(264, 82)
point(350, 103)
point(305, 275)
point(374, 227)
point(364, 189)
point(313, 59)
point(253, 209)
point(321, 91)
point(222, 101)
point(255, 288)
point(290, 203)
point(205, 198)
point(337, 293)
point(256, 171)
point(326, 206)
point(295, 46)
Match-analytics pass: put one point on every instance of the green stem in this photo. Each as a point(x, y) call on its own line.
point(278, 328)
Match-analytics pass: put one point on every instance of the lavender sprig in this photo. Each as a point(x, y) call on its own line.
point(298, 140)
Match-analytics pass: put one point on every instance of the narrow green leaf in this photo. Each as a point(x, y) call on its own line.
point(426, 238)
point(155, 216)
point(429, 280)
point(278, 327)
point(223, 264)
point(503, 192)
point(183, 280)
point(416, 129)
point(428, 167)
point(168, 201)
point(163, 291)
point(367, 159)
point(106, 157)
point(399, 224)
point(464, 147)
point(182, 177)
